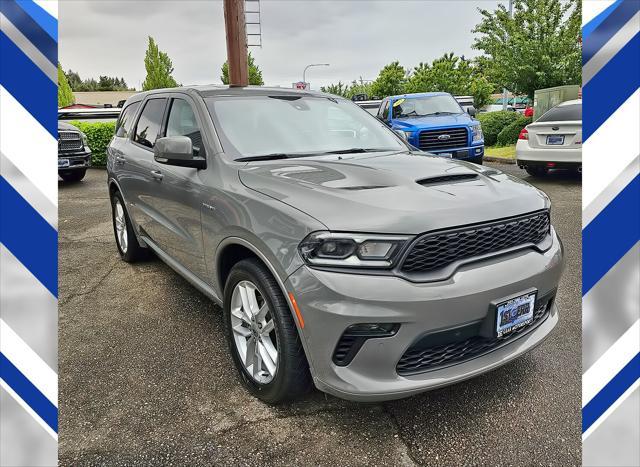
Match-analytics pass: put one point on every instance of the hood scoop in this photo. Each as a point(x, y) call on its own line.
point(446, 179)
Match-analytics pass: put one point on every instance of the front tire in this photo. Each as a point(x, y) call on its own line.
point(74, 175)
point(126, 240)
point(262, 336)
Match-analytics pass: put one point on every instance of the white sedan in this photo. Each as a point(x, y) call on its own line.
point(554, 141)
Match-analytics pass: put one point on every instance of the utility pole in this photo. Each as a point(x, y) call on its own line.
point(234, 22)
point(504, 90)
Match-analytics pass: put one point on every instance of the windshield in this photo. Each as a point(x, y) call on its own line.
point(297, 125)
point(428, 105)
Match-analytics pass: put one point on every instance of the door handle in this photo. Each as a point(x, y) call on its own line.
point(120, 159)
point(157, 175)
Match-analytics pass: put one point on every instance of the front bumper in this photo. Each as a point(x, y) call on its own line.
point(330, 302)
point(76, 160)
point(470, 153)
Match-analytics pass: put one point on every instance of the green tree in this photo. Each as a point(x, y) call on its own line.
point(539, 47)
point(255, 75)
point(390, 81)
point(451, 74)
point(360, 88)
point(337, 89)
point(65, 96)
point(74, 80)
point(159, 68)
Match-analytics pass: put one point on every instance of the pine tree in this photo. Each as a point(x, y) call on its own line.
point(255, 75)
point(159, 68)
point(65, 96)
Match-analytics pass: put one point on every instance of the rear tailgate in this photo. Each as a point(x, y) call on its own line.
point(555, 135)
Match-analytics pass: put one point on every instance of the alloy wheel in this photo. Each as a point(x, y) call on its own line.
point(121, 226)
point(254, 332)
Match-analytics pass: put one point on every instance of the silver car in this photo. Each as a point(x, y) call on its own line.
point(340, 256)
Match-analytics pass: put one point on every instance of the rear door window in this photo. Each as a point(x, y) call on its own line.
point(125, 122)
point(150, 122)
point(565, 113)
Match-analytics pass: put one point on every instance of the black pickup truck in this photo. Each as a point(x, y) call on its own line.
point(74, 155)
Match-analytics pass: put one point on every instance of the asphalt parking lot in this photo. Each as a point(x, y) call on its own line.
point(145, 376)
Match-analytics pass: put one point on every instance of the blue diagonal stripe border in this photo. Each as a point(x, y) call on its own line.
point(28, 393)
point(30, 28)
point(610, 235)
point(29, 85)
point(29, 237)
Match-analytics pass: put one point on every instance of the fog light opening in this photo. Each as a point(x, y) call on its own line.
point(373, 329)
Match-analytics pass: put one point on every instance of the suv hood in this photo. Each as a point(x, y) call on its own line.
point(380, 192)
point(62, 126)
point(433, 122)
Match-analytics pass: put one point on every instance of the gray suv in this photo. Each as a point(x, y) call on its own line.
point(340, 256)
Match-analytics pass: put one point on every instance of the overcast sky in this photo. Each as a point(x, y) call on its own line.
point(356, 38)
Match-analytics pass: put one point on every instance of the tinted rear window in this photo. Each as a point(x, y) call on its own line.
point(150, 121)
point(563, 113)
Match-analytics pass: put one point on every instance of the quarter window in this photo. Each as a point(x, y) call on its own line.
point(125, 122)
point(150, 121)
point(182, 122)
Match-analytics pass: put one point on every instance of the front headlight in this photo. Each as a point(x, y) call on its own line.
point(408, 134)
point(351, 250)
point(477, 133)
point(85, 141)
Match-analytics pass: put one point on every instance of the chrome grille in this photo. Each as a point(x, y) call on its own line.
point(444, 138)
point(438, 249)
point(69, 141)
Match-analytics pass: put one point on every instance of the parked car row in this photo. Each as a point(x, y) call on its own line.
point(436, 123)
point(342, 256)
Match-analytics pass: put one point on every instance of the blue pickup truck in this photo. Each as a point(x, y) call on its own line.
point(435, 122)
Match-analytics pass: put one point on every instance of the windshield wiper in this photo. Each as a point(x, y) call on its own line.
point(358, 150)
point(283, 155)
point(266, 157)
point(439, 113)
point(276, 156)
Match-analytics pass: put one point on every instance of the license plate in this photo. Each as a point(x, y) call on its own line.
point(514, 314)
point(448, 155)
point(555, 140)
point(63, 163)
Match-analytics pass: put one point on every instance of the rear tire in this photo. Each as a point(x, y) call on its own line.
point(537, 171)
point(259, 325)
point(126, 240)
point(73, 176)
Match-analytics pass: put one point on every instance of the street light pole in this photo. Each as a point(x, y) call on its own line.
point(304, 72)
point(504, 90)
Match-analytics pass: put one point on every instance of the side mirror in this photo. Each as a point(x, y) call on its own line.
point(178, 151)
point(472, 111)
point(401, 134)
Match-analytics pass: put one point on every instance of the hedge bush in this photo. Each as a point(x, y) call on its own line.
point(493, 123)
point(509, 134)
point(99, 135)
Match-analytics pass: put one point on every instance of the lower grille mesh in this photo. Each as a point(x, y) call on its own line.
point(419, 358)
